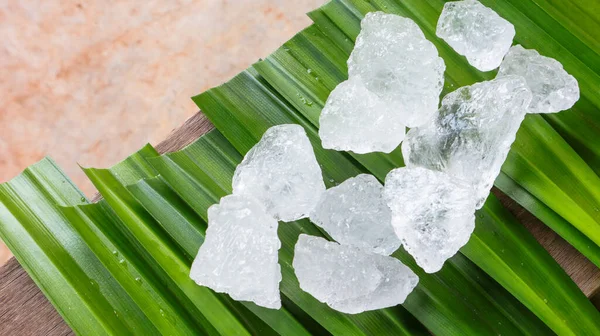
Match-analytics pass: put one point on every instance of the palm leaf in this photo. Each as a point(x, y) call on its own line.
point(135, 247)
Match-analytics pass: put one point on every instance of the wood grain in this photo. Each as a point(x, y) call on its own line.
point(25, 311)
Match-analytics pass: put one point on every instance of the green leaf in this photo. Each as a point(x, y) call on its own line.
point(58, 259)
point(99, 228)
point(154, 209)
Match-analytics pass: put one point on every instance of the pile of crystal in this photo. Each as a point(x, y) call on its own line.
point(433, 214)
point(553, 89)
point(355, 214)
point(471, 135)
point(348, 279)
point(476, 32)
point(395, 79)
point(239, 254)
point(282, 173)
point(279, 178)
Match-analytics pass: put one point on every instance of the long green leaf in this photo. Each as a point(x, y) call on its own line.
point(99, 227)
point(57, 258)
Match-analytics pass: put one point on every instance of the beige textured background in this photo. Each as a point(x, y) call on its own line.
point(92, 81)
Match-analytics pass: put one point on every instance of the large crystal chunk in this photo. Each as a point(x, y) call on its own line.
point(348, 279)
point(476, 32)
point(553, 88)
point(239, 254)
point(355, 119)
point(354, 213)
point(282, 173)
point(433, 213)
point(472, 133)
point(398, 64)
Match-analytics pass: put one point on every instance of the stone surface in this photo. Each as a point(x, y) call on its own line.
point(399, 65)
point(354, 213)
point(350, 280)
point(355, 119)
point(282, 173)
point(433, 214)
point(472, 133)
point(553, 88)
point(239, 255)
point(476, 32)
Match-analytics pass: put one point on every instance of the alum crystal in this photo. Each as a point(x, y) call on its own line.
point(355, 119)
point(239, 254)
point(398, 64)
point(470, 137)
point(553, 88)
point(354, 213)
point(476, 32)
point(433, 214)
point(282, 173)
point(348, 279)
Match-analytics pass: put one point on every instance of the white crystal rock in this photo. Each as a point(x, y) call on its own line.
point(282, 173)
point(398, 64)
point(553, 88)
point(350, 280)
point(239, 254)
point(354, 213)
point(476, 32)
point(472, 133)
point(433, 214)
point(355, 119)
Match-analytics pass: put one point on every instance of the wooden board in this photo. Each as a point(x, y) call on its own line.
point(25, 311)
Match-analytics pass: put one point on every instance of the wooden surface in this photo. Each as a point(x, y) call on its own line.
point(25, 311)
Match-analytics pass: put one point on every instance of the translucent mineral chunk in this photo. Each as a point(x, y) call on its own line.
point(432, 213)
point(282, 173)
point(398, 64)
point(476, 32)
point(553, 88)
point(239, 254)
point(356, 120)
point(348, 279)
point(472, 133)
point(354, 213)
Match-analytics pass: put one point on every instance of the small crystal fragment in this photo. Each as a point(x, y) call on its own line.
point(350, 280)
point(239, 254)
point(282, 173)
point(354, 213)
point(399, 65)
point(476, 32)
point(356, 120)
point(433, 214)
point(470, 137)
point(553, 89)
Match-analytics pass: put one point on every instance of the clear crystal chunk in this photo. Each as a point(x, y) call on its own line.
point(553, 89)
point(399, 65)
point(472, 133)
point(355, 119)
point(354, 213)
point(433, 214)
point(348, 279)
point(240, 251)
point(282, 173)
point(476, 32)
